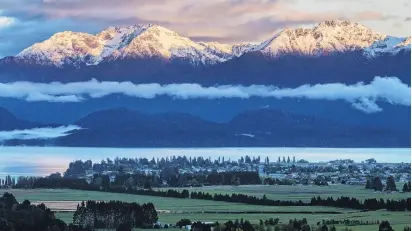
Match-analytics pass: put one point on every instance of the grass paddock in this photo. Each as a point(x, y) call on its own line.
point(301, 192)
point(173, 209)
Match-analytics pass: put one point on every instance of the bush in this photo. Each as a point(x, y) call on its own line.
point(183, 222)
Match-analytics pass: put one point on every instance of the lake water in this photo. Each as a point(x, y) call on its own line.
point(38, 161)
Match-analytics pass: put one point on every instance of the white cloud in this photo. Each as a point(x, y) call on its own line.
point(366, 105)
point(362, 96)
point(37, 133)
point(5, 21)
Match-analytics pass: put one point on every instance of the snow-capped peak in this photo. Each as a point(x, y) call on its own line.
point(388, 45)
point(63, 47)
point(157, 41)
point(135, 41)
point(326, 37)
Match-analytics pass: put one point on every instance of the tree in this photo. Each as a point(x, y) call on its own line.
point(228, 225)
point(26, 204)
point(183, 222)
point(185, 193)
point(124, 227)
point(377, 184)
point(147, 184)
point(370, 161)
point(242, 160)
point(130, 182)
point(105, 182)
point(405, 188)
point(305, 227)
point(246, 226)
point(324, 228)
point(153, 162)
point(368, 184)
point(385, 226)
point(390, 184)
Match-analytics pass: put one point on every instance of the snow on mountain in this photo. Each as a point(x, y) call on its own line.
point(157, 41)
point(142, 41)
point(116, 38)
point(64, 48)
point(227, 51)
point(389, 44)
point(326, 37)
point(126, 42)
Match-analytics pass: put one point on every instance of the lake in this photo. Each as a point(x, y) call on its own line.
point(40, 161)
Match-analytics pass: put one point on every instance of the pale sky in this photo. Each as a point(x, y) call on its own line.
point(24, 22)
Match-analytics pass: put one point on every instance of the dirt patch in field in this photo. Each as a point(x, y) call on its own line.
point(70, 206)
point(59, 205)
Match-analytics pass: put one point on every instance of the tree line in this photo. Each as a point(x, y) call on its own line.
point(341, 202)
point(170, 175)
point(112, 214)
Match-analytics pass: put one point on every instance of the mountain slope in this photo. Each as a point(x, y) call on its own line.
point(130, 119)
point(9, 122)
point(263, 128)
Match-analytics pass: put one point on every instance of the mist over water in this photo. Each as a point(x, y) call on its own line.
point(41, 161)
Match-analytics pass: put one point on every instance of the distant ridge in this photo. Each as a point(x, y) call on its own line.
point(254, 128)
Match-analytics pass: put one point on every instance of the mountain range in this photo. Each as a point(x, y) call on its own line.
point(253, 128)
point(334, 53)
point(149, 41)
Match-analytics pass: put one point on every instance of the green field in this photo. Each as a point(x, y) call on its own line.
point(173, 209)
point(398, 220)
point(370, 227)
point(299, 192)
point(173, 205)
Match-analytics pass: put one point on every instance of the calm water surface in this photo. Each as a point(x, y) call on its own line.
point(40, 161)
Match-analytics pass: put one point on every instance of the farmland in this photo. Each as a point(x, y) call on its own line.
point(299, 192)
point(173, 209)
point(398, 220)
point(63, 199)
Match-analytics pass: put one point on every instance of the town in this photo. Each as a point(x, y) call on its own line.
point(182, 171)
